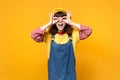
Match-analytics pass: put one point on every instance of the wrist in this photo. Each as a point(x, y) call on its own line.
point(45, 26)
point(49, 23)
point(75, 25)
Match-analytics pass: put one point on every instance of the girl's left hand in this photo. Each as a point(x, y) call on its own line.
point(67, 19)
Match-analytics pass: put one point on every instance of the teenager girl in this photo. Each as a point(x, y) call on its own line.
point(61, 34)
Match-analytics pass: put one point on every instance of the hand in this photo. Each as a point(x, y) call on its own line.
point(53, 19)
point(67, 19)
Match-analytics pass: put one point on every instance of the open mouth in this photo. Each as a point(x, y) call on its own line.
point(60, 24)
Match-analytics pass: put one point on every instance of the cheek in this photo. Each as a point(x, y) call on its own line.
point(64, 24)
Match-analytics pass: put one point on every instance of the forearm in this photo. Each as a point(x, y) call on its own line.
point(44, 27)
point(75, 25)
point(85, 31)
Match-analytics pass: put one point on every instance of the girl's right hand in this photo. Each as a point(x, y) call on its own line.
point(53, 19)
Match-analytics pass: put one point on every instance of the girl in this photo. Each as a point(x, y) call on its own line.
point(61, 34)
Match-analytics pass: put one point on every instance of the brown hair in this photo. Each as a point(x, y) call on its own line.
point(68, 29)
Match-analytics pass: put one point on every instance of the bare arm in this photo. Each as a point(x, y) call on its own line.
point(38, 34)
point(84, 31)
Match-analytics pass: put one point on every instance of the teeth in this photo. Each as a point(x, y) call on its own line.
point(60, 24)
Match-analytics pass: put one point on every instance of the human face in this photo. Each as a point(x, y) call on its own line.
point(60, 23)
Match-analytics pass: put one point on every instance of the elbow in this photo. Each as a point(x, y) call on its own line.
point(36, 37)
point(85, 34)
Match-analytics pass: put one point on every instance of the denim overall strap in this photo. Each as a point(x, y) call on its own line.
point(53, 37)
point(61, 64)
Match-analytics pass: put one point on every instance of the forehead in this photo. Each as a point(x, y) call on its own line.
point(59, 14)
point(60, 17)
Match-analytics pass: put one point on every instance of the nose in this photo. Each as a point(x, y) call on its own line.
point(60, 19)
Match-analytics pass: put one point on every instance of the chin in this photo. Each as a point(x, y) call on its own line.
point(60, 29)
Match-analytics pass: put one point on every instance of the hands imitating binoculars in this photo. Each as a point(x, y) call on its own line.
point(54, 20)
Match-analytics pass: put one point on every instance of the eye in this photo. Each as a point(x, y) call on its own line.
point(55, 18)
point(64, 18)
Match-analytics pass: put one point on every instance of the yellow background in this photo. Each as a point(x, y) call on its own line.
point(21, 58)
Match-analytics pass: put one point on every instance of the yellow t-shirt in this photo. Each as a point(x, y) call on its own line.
point(61, 39)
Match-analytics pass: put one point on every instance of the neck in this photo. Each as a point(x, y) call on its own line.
point(61, 32)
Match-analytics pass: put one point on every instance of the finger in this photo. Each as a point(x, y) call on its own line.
point(50, 15)
point(65, 21)
point(55, 18)
point(68, 14)
point(55, 21)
